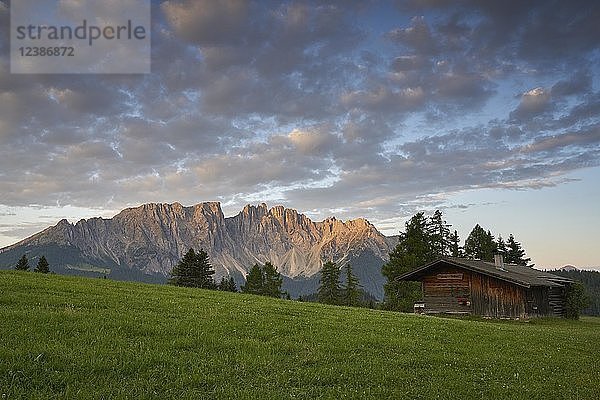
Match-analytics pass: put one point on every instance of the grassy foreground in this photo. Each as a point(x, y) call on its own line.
point(67, 337)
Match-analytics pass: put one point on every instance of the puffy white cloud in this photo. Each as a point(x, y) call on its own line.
point(316, 142)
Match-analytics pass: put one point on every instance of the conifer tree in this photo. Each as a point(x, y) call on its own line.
point(455, 250)
point(193, 270)
point(272, 281)
point(501, 247)
point(480, 244)
point(264, 280)
point(227, 284)
point(350, 291)
point(329, 289)
point(42, 266)
point(254, 281)
point(489, 248)
point(515, 254)
point(22, 264)
point(412, 251)
point(204, 270)
point(182, 272)
point(439, 234)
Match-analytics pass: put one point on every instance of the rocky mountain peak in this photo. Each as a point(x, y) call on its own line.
point(360, 223)
point(210, 209)
point(152, 237)
point(254, 212)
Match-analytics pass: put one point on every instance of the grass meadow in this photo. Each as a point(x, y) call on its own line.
point(74, 338)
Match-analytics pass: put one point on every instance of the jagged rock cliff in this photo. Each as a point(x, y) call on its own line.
point(151, 239)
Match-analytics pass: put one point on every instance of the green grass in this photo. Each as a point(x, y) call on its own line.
point(68, 337)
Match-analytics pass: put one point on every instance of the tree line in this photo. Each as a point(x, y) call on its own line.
point(195, 270)
point(42, 266)
point(333, 291)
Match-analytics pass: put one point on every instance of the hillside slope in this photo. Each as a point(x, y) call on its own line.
point(70, 337)
point(145, 242)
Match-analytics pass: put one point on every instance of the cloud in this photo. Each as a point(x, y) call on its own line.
point(473, 88)
point(314, 105)
point(316, 142)
point(578, 83)
point(533, 102)
point(417, 37)
point(208, 22)
point(558, 143)
point(408, 63)
point(558, 30)
point(588, 109)
point(21, 230)
point(383, 99)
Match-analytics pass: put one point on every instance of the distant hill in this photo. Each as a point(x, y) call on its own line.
point(569, 268)
point(145, 242)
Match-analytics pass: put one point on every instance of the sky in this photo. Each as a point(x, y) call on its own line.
point(486, 110)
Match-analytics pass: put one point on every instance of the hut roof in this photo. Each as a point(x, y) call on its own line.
point(517, 274)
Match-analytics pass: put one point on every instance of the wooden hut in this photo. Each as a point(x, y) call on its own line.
point(461, 286)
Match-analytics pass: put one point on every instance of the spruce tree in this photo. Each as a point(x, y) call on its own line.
point(501, 247)
point(254, 281)
point(42, 266)
point(455, 250)
point(182, 272)
point(272, 281)
point(329, 289)
point(350, 291)
point(515, 254)
point(439, 234)
point(204, 270)
point(480, 244)
point(413, 250)
point(22, 264)
point(489, 249)
point(227, 284)
point(193, 270)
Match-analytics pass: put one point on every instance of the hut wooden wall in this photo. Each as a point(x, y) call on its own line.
point(537, 302)
point(556, 302)
point(447, 290)
point(492, 297)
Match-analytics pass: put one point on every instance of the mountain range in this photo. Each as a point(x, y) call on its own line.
point(145, 242)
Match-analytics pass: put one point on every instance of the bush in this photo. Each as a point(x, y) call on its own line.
point(576, 300)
